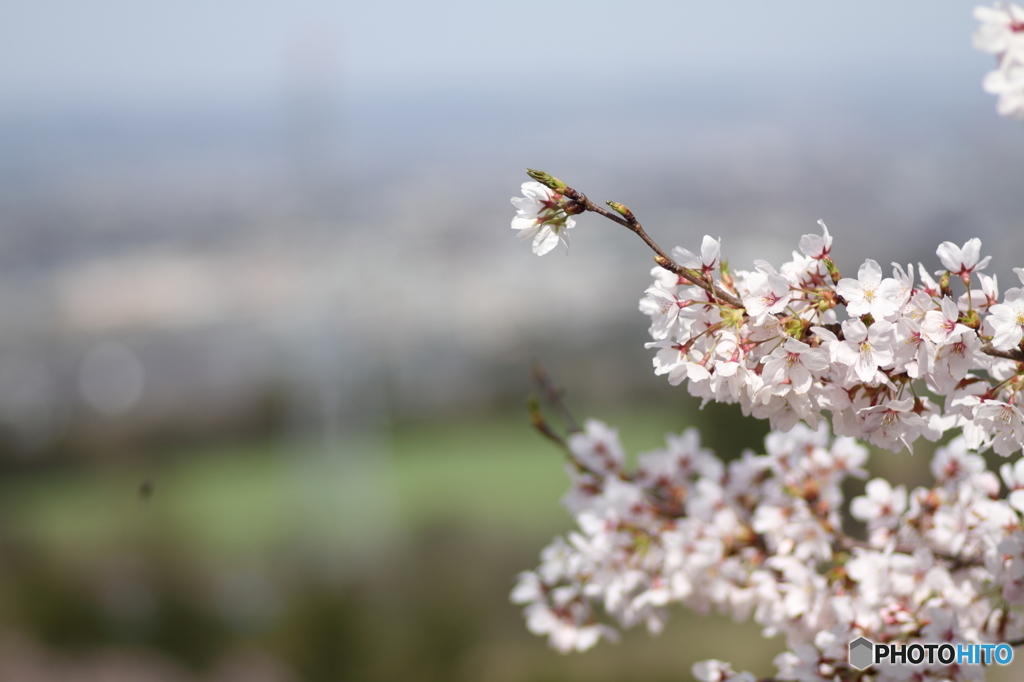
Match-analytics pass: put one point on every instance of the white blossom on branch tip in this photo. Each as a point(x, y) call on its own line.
point(541, 218)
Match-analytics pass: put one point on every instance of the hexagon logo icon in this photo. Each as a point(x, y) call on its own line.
point(861, 653)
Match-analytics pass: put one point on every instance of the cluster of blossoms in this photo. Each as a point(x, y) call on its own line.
point(761, 537)
point(1002, 34)
point(772, 340)
point(886, 360)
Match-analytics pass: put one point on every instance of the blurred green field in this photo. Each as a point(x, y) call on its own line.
point(261, 499)
point(387, 554)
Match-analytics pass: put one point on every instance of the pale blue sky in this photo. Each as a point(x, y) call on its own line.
point(59, 53)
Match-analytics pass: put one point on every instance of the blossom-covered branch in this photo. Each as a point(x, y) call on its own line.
point(929, 352)
point(772, 339)
point(762, 537)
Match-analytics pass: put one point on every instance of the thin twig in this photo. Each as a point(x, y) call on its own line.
point(631, 223)
point(541, 424)
point(553, 395)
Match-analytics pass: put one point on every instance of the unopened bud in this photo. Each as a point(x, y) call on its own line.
point(944, 285)
point(833, 271)
point(828, 301)
point(837, 574)
point(726, 274)
point(664, 262)
point(543, 178)
point(571, 206)
point(533, 408)
point(622, 210)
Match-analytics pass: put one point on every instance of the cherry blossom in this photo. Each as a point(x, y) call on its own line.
point(869, 294)
point(962, 261)
point(541, 218)
point(1002, 34)
point(710, 250)
point(768, 292)
point(792, 366)
point(866, 349)
point(1007, 320)
point(816, 246)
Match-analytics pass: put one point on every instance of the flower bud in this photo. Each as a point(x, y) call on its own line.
point(548, 180)
point(944, 287)
point(833, 271)
point(664, 262)
point(622, 210)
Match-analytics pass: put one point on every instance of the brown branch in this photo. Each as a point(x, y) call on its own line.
point(1014, 354)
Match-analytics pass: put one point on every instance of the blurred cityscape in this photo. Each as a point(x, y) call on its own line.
point(232, 272)
point(264, 356)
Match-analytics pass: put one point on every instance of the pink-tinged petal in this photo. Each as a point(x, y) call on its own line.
point(521, 223)
point(815, 359)
point(866, 367)
point(686, 258)
point(992, 15)
point(545, 241)
point(825, 334)
point(536, 191)
point(881, 332)
point(870, 274)
point(697, 372)
point(846, 355)
point(854, 331)
point(794, 346)
point(995, 83)
point(970, 252)
point(949, 254)
point(850, 289)
point(710, 249)
point(890, 290)
point(883, 356)
point(1007, 338)
point(800, 379)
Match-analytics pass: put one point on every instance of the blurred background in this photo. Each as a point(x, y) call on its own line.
point(266, 334)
